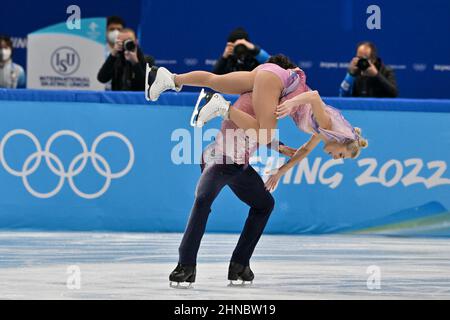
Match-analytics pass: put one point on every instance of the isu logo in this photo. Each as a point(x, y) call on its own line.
point(65, 61)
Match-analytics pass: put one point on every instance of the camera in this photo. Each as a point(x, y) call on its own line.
point(129, 45)
point(240, 52)
point(363, 64)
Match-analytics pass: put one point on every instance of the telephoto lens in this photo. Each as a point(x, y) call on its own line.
point(363, 64)
point(240, 51)
point(129, 45)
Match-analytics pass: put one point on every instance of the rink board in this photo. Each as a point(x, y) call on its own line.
point(110, 165)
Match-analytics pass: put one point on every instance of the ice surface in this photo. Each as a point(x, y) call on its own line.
point(136, 266)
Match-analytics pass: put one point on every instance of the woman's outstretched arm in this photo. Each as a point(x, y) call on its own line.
point(299, 155)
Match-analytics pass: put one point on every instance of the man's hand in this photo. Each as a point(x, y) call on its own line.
point(286, 151)
point(131, 56)
point(353, 68)
point(372, 71)
point(228, 50)
point(249, 45)
point(118, 47)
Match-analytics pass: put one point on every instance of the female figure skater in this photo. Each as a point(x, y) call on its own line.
point(257, 108)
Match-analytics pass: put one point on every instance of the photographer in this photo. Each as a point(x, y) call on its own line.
point(125, 66)
point(12, 75)
point(367, 76)
point(240, 54)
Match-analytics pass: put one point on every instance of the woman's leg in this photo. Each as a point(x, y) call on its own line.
point(266, 96)
point(243, 120)
point(231, 83)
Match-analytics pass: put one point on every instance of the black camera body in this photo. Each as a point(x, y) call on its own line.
point(241, 52)
point(129, 45)
point(363, 64)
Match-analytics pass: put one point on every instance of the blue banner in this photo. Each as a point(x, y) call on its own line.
point(104, 161)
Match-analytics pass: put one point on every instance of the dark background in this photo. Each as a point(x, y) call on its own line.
point(189, 34)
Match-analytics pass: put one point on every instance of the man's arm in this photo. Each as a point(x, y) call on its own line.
point(149, 59)
point(387, 82)
point(221, 66)
point(105, 73)
point(139, 76)
point(346, 88)
point(260, 54)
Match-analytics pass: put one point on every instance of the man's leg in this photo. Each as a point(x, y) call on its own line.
point(213, 179)
point(249, 187)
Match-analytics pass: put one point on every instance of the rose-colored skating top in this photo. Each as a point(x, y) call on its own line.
point(232, 142)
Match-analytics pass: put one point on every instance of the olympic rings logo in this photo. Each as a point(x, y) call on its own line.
point(72, 171)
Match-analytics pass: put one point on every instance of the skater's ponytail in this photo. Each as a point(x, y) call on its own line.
point(282, 61)
point(355, 146)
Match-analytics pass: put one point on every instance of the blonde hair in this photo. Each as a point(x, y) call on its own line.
point(355, 146)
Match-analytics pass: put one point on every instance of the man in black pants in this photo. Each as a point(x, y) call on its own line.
point(219, 169)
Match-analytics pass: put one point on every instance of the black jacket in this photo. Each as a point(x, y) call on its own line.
point(383, 85)
point(125, 76)
point(231, 64)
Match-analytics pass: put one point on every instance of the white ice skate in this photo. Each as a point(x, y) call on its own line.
point(158, 80)
point(215, 106)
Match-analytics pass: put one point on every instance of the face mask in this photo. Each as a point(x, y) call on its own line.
point(112, 36)
point(5, 54)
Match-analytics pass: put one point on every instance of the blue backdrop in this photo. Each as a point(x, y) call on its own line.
point(400, 184)
point(319, 35)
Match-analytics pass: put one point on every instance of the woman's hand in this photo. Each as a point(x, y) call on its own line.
point(285, 109)
point(272, 183)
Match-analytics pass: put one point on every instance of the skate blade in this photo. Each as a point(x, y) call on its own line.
point(181, 285)
point(240, 283)
point(194, 117)
point(150, 77)
point(147, 86)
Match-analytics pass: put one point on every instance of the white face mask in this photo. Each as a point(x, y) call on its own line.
point(5, 54)
point(112, 36)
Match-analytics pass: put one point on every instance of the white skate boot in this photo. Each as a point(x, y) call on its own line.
point(215, 106)
point(158, 80)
